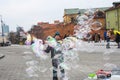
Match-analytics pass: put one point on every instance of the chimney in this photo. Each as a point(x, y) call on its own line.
point(115, 4)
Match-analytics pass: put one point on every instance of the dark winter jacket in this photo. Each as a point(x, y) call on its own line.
point(55, 61)
point(108, 38)
point(53, 51)
point(105, 34)
point(117, 38)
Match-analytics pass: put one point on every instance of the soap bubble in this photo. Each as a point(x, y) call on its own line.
point(109, 66)
point(27, 42)
point(32, 63)
point(96, 25)
point(70, 47)
point(38, 49)
point(31, 72)
point(115, 77)
point(29, 39)
point(51, 41)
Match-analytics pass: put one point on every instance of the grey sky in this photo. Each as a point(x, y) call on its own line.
point(25, 13)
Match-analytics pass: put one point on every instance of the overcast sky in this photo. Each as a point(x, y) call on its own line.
point(26, 13)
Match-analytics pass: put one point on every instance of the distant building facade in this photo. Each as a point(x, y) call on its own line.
point(113, 17)
point(70, 15)
point(44, 29)
point(99, 19)
point(99, 16)
point(21, 35)
point(5, 29)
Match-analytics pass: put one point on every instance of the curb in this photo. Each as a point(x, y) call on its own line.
point(2, 56)
point(105, 44)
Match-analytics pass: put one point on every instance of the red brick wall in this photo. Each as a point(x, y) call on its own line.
point(43, 30)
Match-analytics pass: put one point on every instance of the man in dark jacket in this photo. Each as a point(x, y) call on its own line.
point(117, 39)
point(108, 39)
point(56, 60)
point(105, 35)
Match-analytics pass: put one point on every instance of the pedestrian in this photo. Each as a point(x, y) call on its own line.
point(56, 60)
point(117, 39)
point(93, 37)
point(99, 37)
point(105, 35)
point(96, 37)
point(108, 39)
point(88, 37)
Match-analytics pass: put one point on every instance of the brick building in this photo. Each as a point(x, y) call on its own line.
point(99, 16)
point(113, 16)
point(44, 29)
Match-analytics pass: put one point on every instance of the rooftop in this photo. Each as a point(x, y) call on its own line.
point(71, 11)
point(116, 5)
point(82, 11)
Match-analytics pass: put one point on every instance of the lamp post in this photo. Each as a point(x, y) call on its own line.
point(1, 20)
point(2, 29)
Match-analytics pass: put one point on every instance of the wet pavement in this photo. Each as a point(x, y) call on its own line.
point(15, 65)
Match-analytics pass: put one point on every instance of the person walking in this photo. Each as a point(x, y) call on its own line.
point(105, 35)
point(96, 37)
point(108, 36)
point(117, 40)
point(88, 37)
point(99, 37)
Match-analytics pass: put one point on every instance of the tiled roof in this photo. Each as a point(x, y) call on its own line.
point(102, 8)
point(116, 5)
point(82, 11)
point(116, 2)
point(71, 11)
point(112, 8)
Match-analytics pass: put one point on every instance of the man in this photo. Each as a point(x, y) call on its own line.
point(56, 56)
point(117, 39)
point(108, 39)
point(105, 34)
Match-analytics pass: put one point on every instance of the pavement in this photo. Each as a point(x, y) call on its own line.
point(20, 62)
point(2, 56)
point(103, 43)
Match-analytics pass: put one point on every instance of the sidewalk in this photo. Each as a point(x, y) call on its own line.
point(98, 47)
point(102, 43)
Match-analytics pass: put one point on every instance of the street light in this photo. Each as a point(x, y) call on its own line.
point(1, 20)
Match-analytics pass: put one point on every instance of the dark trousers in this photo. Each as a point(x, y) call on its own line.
point(108, 45)
point(55, 64)
point(118, 44)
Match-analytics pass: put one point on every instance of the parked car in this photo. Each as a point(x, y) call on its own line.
point(4, 41)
